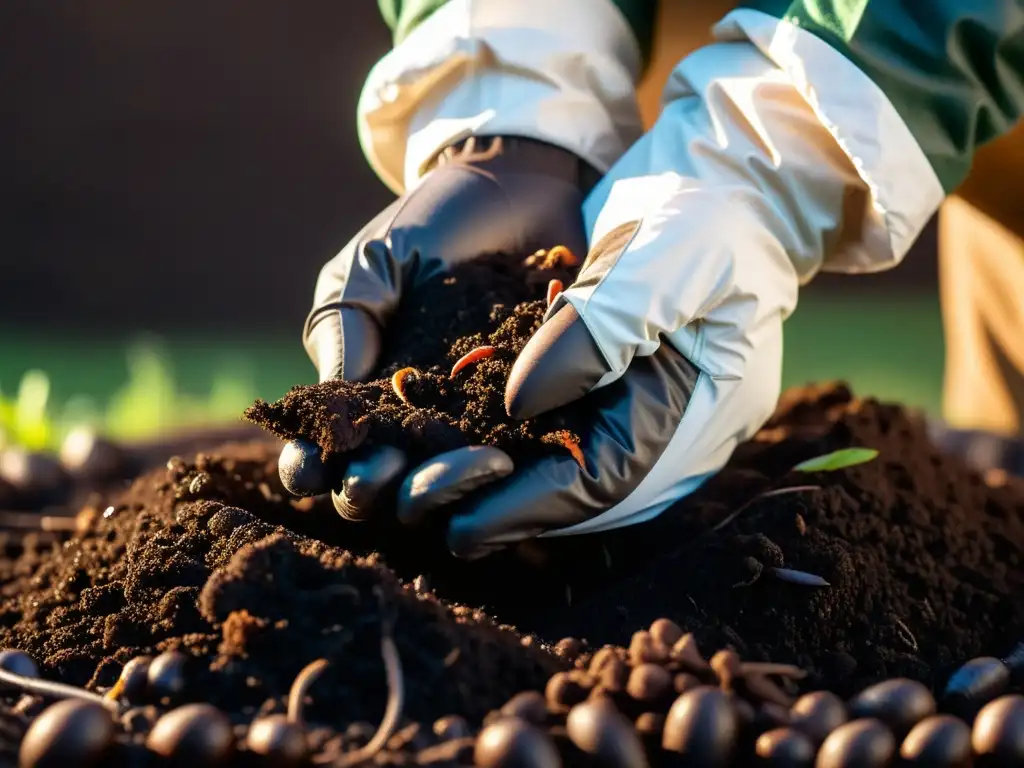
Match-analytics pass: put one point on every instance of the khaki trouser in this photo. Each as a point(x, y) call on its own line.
point(981, 251)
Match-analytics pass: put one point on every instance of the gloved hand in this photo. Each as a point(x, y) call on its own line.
point(486, 195)
point(672, 334)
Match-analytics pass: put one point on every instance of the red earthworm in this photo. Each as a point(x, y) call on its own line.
point(471, 357)
point(554, 288)
point(396, 383)
point(565, 439)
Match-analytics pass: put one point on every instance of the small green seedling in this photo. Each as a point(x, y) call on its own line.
point(830, 462)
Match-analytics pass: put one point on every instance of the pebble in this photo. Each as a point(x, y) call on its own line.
point(70, 732)
point(165, 678)
point(451, 727)
point(702, 727)
point(939, 741)
point(569, 648)
point(135, 680)
point(279, 742)
point(528, 705)
point(644, 648)
point(975, 684)
point(649, 683)
point(866, 743)
point(598, 729)
point(18, 663)
point(686, 652)
point(193, 736)
point(998, 734)
point(666, 632)
point(785, 748)
point(515, 743)
point(899, 703)
point(564, 692)
point(818, 714)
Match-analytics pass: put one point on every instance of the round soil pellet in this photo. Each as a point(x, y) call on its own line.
point(866, 743)
point(17, 663)
point(818, 714)
point(666, 632)
point(166, 676)
point(900, 704)
point(998, 733)
point(529, 705)
point(785, 748)
point(69, 733)
point(649, 683)
point(514, 743)
point(134, 680)
point(598, 729)
point(702, 726)
point(939, 741)
point(193, 736)
point(280, 743)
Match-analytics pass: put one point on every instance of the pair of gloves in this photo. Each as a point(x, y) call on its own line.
point(699, 235)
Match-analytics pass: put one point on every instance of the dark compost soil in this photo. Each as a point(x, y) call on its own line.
point(924, 558)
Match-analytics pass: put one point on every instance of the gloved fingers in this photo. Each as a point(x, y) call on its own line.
point(446, 478)
point(634, 419)
point(343, 343)
point(370, 474)
point(559, 364)
point(302, 470)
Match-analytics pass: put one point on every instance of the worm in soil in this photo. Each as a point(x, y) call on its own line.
point(554, 288)
point(470, 357)
point(396, 696)
point(799, 577)
point(300, 688)
point(572, 447)
point(396, 383)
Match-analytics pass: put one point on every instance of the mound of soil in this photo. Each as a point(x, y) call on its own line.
point(497, 302)
point(923, 559)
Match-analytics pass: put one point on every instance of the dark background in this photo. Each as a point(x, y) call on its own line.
point(190, 164)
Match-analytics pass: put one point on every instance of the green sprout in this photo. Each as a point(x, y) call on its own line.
point(830, 462)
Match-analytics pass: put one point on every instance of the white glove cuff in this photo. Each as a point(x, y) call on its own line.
point(559, 71)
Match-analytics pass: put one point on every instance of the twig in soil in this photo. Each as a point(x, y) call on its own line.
point(396, 695)
point(300, 688)
point(767, 494)
point(469, 358)
point(798, 577)
point(905, 634)
point(554, 288)
point(788, 671)
point(396, 382)
point(54, 690)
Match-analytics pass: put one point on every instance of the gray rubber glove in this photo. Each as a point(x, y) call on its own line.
point(486, 195)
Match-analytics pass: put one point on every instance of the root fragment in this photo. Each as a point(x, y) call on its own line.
point(300, 688)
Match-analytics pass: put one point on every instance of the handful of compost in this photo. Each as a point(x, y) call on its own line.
point(440, 385)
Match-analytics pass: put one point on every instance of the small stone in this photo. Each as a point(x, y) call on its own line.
point(515, 743)
point(615, 675)
point(193, 736)
point(70, 732)
point(864, 743)
point(702, 727)
point(643, 648)
point(649, 683)
point(686, 652)
point(666, 632)
point(899, 703)
point(451, 727)
point(278, 741)
point(563, 692)
point(939, 741)
point(598, 729)
point(785, 748)
point(818, 714)
point(528, 705)
point(650, 724)
point(569, 648)
point(134, 680)
point(998, 734)
point(17, 663)
point(165, 677)
point(975, 684)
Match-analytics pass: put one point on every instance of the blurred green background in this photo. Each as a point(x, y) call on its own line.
point(889, 346)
